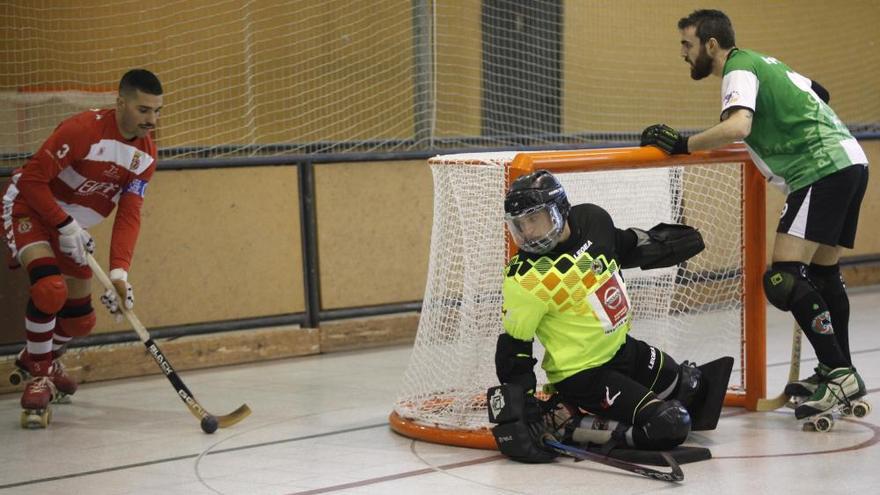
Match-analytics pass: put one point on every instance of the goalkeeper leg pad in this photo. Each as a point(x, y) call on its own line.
point(683, 454)
point(706, 405)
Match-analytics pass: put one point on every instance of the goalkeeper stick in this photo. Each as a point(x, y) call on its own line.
point(793, 374)
point(675, 474)
point(185, 395)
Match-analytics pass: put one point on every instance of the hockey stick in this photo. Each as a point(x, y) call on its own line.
point(676, 474)
point(793, 372)
point(209, 425)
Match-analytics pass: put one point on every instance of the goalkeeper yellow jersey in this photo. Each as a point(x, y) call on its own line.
point(574, 298)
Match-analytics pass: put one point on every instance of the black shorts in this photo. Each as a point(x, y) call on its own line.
point(619, 388)
point(827, 211)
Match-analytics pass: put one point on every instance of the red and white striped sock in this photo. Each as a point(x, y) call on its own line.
point(38, 330)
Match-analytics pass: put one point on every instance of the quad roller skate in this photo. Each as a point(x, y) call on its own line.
point(37, 396)
point(824, 422)
point(804, 388)
point(64, 385)
point(838, 394)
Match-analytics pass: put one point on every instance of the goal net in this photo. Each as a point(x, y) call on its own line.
point(288, 76)
point(695, 311)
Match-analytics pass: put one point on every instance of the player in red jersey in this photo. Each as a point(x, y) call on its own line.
point(93, 162)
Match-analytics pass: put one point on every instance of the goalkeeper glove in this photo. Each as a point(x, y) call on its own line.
point(666, 138)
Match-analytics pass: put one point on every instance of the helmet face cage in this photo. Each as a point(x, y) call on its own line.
point(537, 229)
point(536, 209)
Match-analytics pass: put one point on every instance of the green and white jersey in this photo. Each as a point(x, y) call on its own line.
point(796, 139)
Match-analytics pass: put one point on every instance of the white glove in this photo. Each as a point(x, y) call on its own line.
point(110, 299)
point(75, 242)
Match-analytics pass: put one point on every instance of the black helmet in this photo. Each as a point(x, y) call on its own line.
point(536, 201)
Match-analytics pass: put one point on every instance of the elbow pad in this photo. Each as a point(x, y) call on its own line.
point(664, 245)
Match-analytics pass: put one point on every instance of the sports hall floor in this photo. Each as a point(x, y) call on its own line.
point(320, 426)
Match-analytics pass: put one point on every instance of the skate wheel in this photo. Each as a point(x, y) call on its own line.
point(846, 411)
point(823, 423)
point(16, 377)
point(861, 409)
point(31, 419)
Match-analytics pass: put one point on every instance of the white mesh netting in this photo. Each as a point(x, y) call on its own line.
point(693, 311)
point(280, 76)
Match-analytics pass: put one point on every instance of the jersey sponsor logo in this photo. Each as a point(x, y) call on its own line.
point(496, 402)
point(609, 400)
point(24, 225)
point(137, 186)
point(816, 147)
point(94, 187)
point(62, 151)
point(111, 172)
point(731, 98)
point(653, 358)
point(613, 298)
point(611, 304)
point(822, 324)
point(583, 249)
point(770, 60)
point(136, 161)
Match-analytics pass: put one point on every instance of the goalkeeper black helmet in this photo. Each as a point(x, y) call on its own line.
point(535, 210)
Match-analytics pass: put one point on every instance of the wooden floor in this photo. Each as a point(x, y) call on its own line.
point(320, 426)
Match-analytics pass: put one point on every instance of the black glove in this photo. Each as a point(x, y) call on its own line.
point(666, 138)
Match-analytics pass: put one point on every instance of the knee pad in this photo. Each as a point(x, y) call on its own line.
point(77, 318)
point(786, 282)
point(666, 428)
point(78, 326)
point(48, 293)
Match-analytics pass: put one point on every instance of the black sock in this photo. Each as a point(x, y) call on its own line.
point(833, 291)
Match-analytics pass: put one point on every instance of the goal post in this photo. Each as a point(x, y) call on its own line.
point(706, 307)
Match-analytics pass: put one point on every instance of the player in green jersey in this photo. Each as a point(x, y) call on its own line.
point(565, 287)
point(800, 145)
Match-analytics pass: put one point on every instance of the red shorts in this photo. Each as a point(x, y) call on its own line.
point(22, 228)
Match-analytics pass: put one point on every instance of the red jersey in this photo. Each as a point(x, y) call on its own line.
point(85, 169)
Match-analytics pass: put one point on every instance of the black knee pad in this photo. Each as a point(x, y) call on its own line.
point(666, 428)
point(786, 282)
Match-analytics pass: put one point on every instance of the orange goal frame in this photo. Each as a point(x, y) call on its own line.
point(754, 356)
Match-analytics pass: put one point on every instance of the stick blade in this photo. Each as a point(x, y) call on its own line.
point(765, 405)
point(234, 417)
